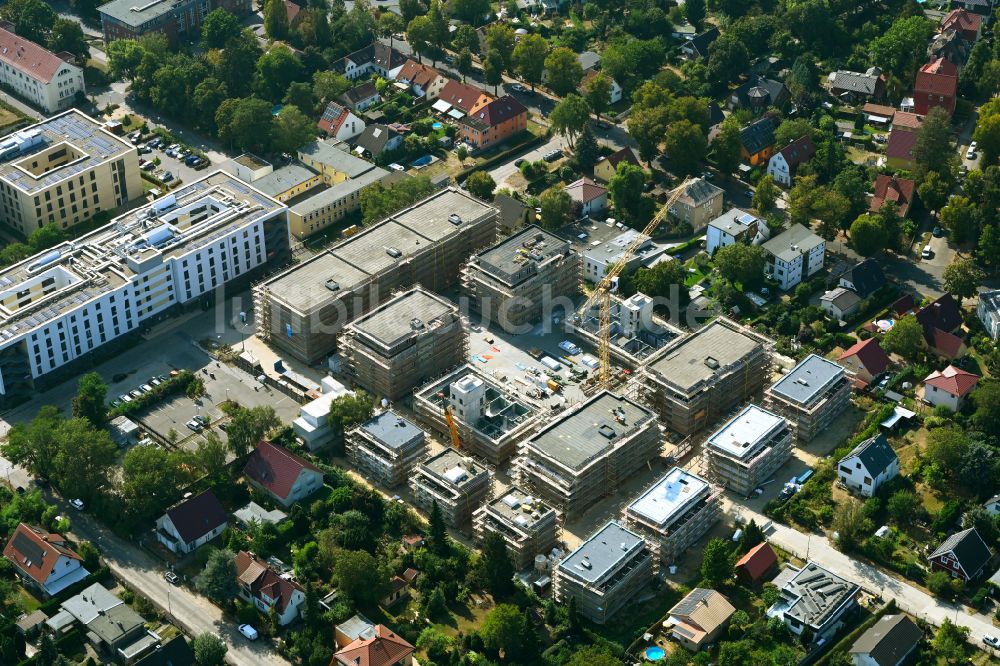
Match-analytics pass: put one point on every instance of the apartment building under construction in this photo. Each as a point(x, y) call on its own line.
point(674, 513)
point(527, 524)
point(588, 451)
point(749, 449)
point(457, 483)
point(491, 419)
point(810, 396)
point(515, 282)
point(302, 309)
point(385, 448)
point(403, 343)
point(636, 333)
point(696, 380)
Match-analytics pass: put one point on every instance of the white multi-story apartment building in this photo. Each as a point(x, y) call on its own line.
point(64, 170)
point(59, 306)
point(794, 255)
point(34, 73)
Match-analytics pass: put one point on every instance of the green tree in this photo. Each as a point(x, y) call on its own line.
point(83, 460)
point(587, 150)
point(217, 579)
point(833, 210)
point(219, 26)
point(717, 562)
point(470, 11)
point(89, 403)
point(210, 456)
point(481, 184)
point(752, 536)
point(905, 338)
point(435, 643)
point(237, 63)
point(299, 95)
point(275, 19)
point(868, 235)
point(379, 201)
point(960, 218)
point(593, 655)
point(726, 146)
point(743, 264)
point(358, 575)
point(727, 59)
point(765, 197)
point(276, 70)
point(665, 279)
point(556, 206)
point(898, 47)
point(626, 191)
point(932, 150)
point(630, 62)
point(151, 479)
point(124, 57)
point(209, 650)
point(32, 19)
point(694, 12)
point(463, 63)
point(496, 566)
point(986, 399)
point(962, 277)
point(791, 129)
point(437, 532)
point(949, 642)
point(466, 37)
point(346, 412)
point(244, 123)
point(503, 629)
point(987, 135)
point(35, 445)
point(500, 37)
point(933, 191)
point(67, 35)
point(420, 35)
point(435, 605)
point(292, 129)
point(850, 523)
point(206, 98)
point(529, 58)
point(597, 92)
point(248, 426)
point(988, 248)
point(564, 71)
point(493, 69)
point(685, 146)
point(570, 116)
point(903, 506)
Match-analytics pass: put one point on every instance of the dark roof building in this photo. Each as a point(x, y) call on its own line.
point(377, 138)
point(697, 47)
point(175, 652)
point(865, 278)
point(191, 522)
point(758, 135)
point(889, 641)
point(759, 94)
point(939, 320)
point(962, 555)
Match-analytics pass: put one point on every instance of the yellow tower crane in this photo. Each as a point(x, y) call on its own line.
point(452, 428)
point(602, 293)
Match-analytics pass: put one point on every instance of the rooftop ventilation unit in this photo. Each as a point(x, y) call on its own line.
point(711, 362)
point(416, 324)
point(393, 252)
point(333, 285)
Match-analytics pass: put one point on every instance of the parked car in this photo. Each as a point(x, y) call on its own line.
point(707, 175)
point(937, 232)
point(519, 161)
point(970, 154)
point(145, 388)
point(125, 397)
point(927, 252)
point(135, 393)
point(155, 381)
point(194, 425)
point(119, 377)
point(116, 403)
point(552, 155)
point(144, 150)
point(991, 640)
point(148, 166)
point(167, 177)
point(172, 578)
point(77, 504)
point(517, 87)
point(569, 348)
point(249, 632)
point(201, 419)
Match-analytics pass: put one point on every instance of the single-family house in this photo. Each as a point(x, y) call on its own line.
point(889, 642)
point(589, 61)
point(868, 466)
point(355, 627)
point(191, 522)
point(813, 598)
point(116, 631)
point(697, 46)
point(383, 648)
point(614, 94)
point(864, 361)
point(905, 121)
point(43, 561)
point(378, 139)
point(699, 618)
point(284, 476)
point(294, 14)
point(864, 278)
point(588, 195)
point(494, 122)
point(362, 96)
point(701, 202)
point(423, 80)
point(988, 311)
point(899, 149)
point(607, 166)
point(962, 555)
point(855, 87)
point(794, 255)
point(735, 226)
point(376, 58)
point(949, 387)
point(399, 589)
point(840, 303)
point(940, 321)
point(513, 213)
point(174, 652)
point(759, 94)
point(992, 505)
point(757, 563)
point(936, 85)
point(897, 190)
point(464, 98)
point(878, 114)
point(263, 587)
point(340, 122)
point(783, 163)
point(757, 141)
point(965, 22)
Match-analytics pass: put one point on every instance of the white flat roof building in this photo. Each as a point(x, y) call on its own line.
point(749, 448)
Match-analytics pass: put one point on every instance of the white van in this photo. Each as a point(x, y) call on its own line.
point(928, 252)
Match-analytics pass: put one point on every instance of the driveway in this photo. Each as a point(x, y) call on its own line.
point(507, 169)
point(909, 598)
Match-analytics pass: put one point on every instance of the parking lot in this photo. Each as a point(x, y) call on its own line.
point(180, 171)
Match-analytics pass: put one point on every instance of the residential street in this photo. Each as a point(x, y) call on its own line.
point(909, 598)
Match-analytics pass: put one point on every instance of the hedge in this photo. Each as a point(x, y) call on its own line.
point(177, 384)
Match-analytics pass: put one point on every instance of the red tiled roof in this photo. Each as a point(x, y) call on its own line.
point(901, 144)
point(276, 468)
point(945, 343)
point(35, 551)
point(197, 516)
point(953, 380)
point(28, 57)
point(878, 110)
point(890, 188)
point(798, 151)
point(385, 648)
point(938, 77)
point(626, 154)
point(758, 560)
point(585, 190)
point(944, 313)
point(262, 580)
point(870, 354)
point(903, 305)
point(461, 95)
point(292, 10)
point(499, 111)
point(907, 121)
point(959, 19)
point(417, 74)
point(333, 117)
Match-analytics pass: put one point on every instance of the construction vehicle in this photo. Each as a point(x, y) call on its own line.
point(456, 443)
point(609, 283)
